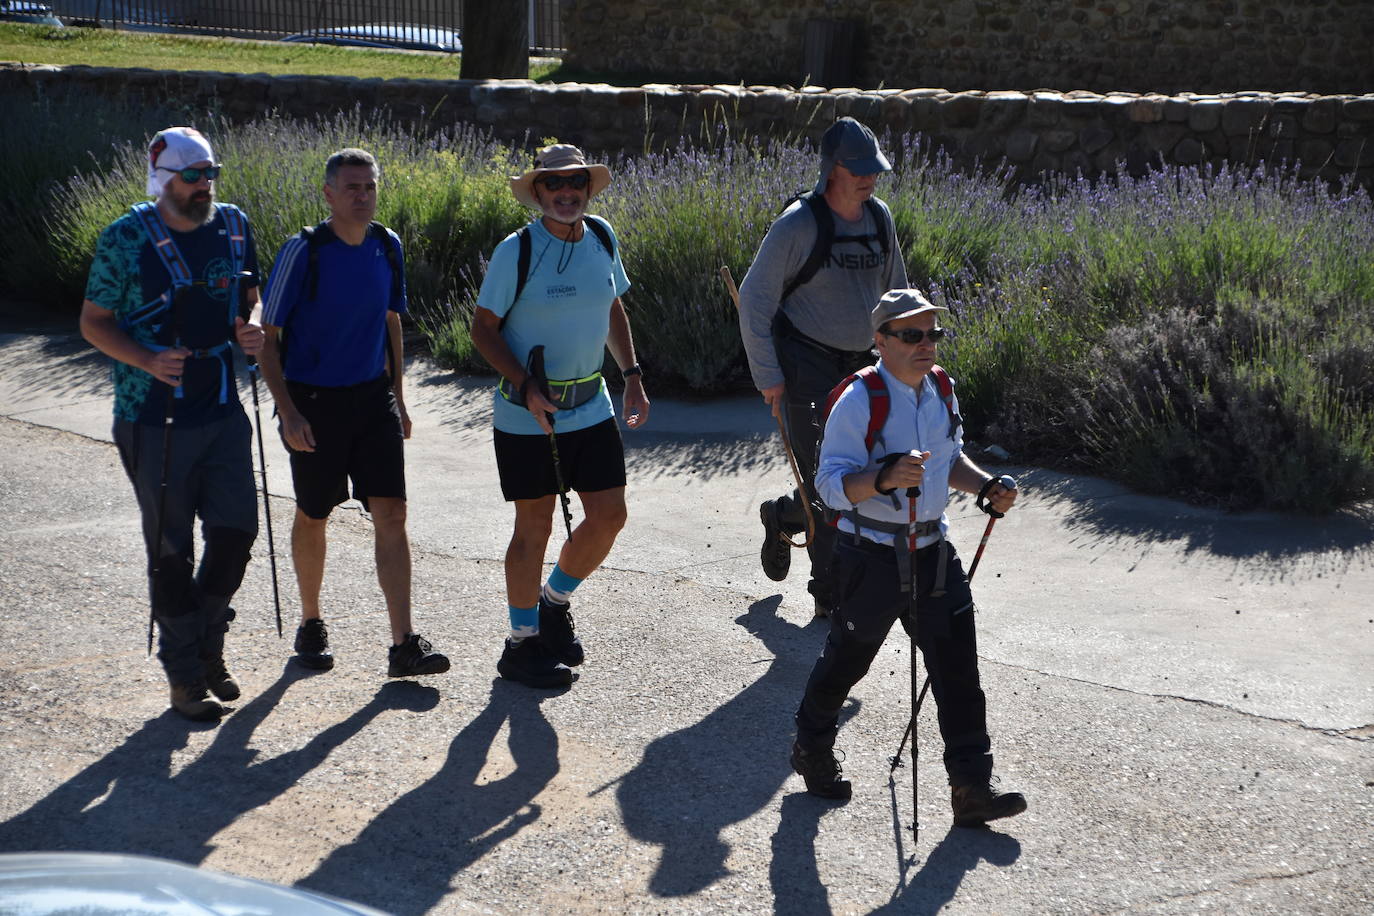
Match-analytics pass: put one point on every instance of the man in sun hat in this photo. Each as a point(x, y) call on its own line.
point(550, 305)
point(804, 319)
point(892, 556)
point(162, 299)
point(333, 361)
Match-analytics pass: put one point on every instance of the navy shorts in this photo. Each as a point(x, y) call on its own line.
point(592, 459)
point(358, 437)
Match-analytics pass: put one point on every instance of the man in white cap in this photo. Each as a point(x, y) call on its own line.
point(891, 486)
point(163, 299)
point(548, 309)
point(804, 319)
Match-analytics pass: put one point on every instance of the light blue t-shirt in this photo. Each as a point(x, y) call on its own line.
point(566, 306)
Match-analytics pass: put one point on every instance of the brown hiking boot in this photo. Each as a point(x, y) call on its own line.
point(974, 806)
point(821, 771)
point(193, 701)
point(219, 681)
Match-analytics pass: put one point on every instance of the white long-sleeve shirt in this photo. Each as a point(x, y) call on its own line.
point(917, 421)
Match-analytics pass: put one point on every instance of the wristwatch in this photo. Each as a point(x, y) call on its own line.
point(633, 370)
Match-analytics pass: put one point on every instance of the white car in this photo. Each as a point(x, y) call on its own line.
point(104, 884)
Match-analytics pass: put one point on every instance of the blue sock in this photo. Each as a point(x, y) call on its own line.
point(524, 622)
point(560, 586)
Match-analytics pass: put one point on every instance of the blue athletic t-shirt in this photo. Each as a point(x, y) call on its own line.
point(128, 274)
point(338, 338)
point(566, 306)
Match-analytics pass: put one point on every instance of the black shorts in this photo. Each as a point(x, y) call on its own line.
point(592, 459)
point(358, 435)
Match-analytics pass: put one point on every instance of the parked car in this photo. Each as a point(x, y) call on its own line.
point(24, 11)
point(122, 14)
point(385, 35)
point(108, 884)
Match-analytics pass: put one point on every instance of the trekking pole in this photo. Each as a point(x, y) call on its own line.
point(786, 443)
point(168, 418)
point(896, 759)
point(245, 310)
point(536, 369)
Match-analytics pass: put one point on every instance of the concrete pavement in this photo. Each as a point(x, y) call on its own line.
point(1185, 696)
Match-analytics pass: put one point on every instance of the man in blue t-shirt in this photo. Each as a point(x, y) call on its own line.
point(548, 309)
point(333, 363)
point(162, 300)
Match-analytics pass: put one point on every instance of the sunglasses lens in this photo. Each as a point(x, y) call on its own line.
point(191, 176)
point(554, 182)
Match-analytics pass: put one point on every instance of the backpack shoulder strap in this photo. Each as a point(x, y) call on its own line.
point(602, 230)
point(879, 401)
point(825, 237)
point(161, 239)
point(879, 223)
point(316, 237)
point(236, 224)
point(390, 248)
point(522, 270)
point(946, 389)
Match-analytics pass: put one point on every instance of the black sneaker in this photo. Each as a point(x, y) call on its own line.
point(529, 662)
point(776, 554)
point(558, 631)
point(975, 805)
point(415, 657)
point(821, 771)
point(312, 645)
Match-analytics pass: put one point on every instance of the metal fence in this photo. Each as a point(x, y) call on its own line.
point(427, 21)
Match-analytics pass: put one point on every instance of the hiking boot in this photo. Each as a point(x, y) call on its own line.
point(776, 554)
point(557, 630)
point(415, 657)
point(193, 701)
point(312, 645)
point(219, 681)
point(975, 805)
point(821, 771)
point(530, 662)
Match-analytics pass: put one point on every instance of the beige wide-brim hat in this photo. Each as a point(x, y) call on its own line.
point(556, 158)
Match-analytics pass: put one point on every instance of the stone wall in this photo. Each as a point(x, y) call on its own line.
point(1165, 46)
point(1332, 136)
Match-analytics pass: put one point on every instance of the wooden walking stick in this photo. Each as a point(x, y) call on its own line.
point(786, 443)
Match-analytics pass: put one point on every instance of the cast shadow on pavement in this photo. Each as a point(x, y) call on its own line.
point(404, 860)
point(1284, 546)
point(692, 784)
point(129, 801)
point(71, 369)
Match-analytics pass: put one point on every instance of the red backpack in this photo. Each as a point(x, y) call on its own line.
point(880, 402)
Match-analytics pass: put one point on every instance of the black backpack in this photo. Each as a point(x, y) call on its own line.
point(825, 236)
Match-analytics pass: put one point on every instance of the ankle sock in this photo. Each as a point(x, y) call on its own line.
point(560, 586)
point(524, 622)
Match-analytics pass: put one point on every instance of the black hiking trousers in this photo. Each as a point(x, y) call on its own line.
point(870, 601)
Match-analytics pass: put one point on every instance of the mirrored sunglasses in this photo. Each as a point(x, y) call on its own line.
point(191, 176)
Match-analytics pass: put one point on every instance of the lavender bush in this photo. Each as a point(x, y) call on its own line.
point(1201, 333)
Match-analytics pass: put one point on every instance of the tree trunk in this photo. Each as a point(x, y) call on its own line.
point(496, 40)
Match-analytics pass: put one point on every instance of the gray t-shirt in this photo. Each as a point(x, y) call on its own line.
point(834, 306)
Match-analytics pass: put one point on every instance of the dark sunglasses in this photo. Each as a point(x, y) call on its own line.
point(576, 182)
point(191, 176)
point(911, 336)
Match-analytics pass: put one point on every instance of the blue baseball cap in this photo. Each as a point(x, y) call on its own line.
point(852, 145)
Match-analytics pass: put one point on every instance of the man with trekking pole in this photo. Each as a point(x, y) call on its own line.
point(333, 362)
point(548, 309)
point(162, 300)
point(804, 320)
point(891, 451)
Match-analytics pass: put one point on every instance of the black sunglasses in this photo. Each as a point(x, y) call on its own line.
point(911, 336)
point(191, 176)
point(576, 182)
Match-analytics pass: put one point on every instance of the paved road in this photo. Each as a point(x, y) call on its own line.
point(1185, 697)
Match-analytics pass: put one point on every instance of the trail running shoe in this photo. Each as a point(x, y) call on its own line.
point(312, 645)
point(529, 662)
point(415, 657)
point(559, 633)
point(776, 553)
